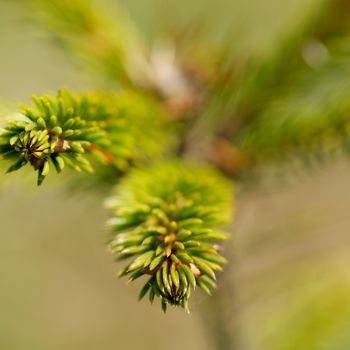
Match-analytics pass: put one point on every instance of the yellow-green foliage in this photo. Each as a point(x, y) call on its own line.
point(117, 129)
point(168, 219)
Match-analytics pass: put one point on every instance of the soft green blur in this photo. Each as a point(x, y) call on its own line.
point(288, 283)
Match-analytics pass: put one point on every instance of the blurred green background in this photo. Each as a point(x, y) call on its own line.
point(288, 283)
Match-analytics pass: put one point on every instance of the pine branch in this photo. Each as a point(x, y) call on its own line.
point(119, 130)
point(313, 118)
point(167, 219)
point(248, 84)
point(246, 81)
point(111, 44)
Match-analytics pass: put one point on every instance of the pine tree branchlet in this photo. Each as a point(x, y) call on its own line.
point(168, 219)
point(75, 130)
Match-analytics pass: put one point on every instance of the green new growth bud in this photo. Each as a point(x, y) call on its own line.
point(117, 130)
point(165, 205)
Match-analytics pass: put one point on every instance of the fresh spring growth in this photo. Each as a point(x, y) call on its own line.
point(167, 220)
point(74, 130)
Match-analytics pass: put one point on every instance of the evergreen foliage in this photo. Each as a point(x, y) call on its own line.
point(168, 219)
point(168, 216)
point(118, 130)
point(311, 120)
point(107, 44)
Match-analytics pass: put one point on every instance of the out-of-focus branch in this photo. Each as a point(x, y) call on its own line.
point(109, 43)
point(313, 119)
point(244, 87)
point(309, 61)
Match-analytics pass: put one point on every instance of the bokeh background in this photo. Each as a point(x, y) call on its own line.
point(288, 282)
